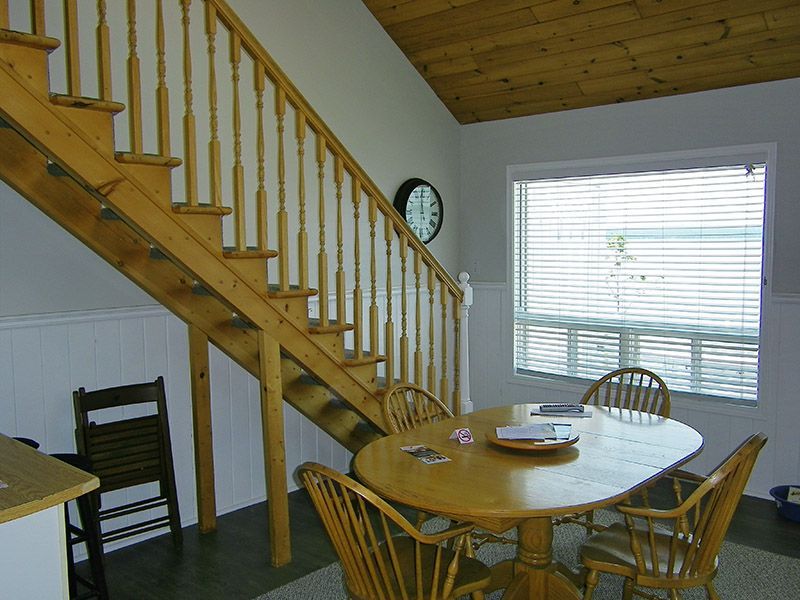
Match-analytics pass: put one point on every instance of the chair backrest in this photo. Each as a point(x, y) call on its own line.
point(407, 406)
point(633, 388)
point(366, 532)
point(701, 521)
point(131, 451)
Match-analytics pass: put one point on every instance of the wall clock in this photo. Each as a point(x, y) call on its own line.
point(421, 206)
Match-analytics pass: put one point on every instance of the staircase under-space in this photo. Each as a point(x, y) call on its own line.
point(262, 233)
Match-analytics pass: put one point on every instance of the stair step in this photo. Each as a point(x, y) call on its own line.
point(19, 38)
point(107, 106)
point(201, 209)
point(332, 327)
point(294, 291)
point(249, 253)
point(152, 160)
point(366, 358)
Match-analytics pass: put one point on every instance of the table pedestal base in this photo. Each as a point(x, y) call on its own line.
point(535, 575)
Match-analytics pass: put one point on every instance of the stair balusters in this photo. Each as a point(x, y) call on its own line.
point(134, 106)
point(237, 172)
point(214, 158)
point(302, 235)
point(72, 46)
point(104, 52)
point(189, 126)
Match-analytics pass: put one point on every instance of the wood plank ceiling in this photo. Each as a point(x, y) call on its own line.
point(496, 59)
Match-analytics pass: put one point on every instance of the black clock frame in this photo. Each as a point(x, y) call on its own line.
point(403, 194)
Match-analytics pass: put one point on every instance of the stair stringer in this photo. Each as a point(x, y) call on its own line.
point(77, 211)
point(31, 113)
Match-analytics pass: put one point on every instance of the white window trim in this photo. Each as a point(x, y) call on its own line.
point(765, 152)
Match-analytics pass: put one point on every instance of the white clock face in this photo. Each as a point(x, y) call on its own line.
point(424, 212)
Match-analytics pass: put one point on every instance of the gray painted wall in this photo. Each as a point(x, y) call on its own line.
point(737, 116)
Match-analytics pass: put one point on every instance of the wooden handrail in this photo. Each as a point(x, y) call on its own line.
point(257, 52)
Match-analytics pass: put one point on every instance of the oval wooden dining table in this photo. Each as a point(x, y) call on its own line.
point(497, 488)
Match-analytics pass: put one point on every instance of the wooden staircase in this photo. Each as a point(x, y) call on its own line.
point(59, 152)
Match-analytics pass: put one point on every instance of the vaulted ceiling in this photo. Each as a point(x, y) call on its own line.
point(496, 59)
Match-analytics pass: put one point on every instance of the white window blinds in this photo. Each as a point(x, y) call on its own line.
point(658, 269)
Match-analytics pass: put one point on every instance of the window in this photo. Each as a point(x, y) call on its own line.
point(658, 268)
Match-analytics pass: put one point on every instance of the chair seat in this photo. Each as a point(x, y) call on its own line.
point(472, 574)
point(610, 551)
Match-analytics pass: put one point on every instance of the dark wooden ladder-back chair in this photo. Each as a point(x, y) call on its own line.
point(130, 452)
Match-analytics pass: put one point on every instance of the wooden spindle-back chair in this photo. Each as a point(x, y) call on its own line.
point(382, 554)
point(407, 406)
point(632, 388)
point(648, 555)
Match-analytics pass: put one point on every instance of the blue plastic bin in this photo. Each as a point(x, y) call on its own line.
point(790, 510)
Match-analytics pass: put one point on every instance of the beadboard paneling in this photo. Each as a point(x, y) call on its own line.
point(44, 358)
point(723, 427)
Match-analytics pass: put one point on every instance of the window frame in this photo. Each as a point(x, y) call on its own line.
point(708, 157)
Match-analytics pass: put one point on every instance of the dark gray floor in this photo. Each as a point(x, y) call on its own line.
point(233, 562)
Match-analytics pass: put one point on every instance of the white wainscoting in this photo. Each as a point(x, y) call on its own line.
point(43, 358)
point(723, 427)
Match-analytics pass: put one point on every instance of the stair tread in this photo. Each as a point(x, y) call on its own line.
point(273, 291)
point(20, 38)
point(249, 253)
point(366, 358)
point(333, 326)
point(201, 209)
point(131, 158)
point(87, 103)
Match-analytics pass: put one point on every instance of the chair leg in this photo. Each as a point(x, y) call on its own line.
point(469, 552)
point(627, 589)
point(592, 578)
point(711, 591)
point(87, 509)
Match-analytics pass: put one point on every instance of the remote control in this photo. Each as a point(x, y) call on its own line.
point(545, 408)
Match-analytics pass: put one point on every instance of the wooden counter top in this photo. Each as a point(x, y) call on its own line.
point(36, 481)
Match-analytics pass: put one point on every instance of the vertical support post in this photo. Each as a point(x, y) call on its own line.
point(418, 376)
point(134, 109)
point(444, 390)
point(261, 192)
point(403, 309)
point(431, 332)
point(388, 236)
point(322, 256)
point(463, 283)
point(269, 356)
point(240, 218)
point(189, 127)
point(302, 235)
point(283, 216)
point(162, 92)
point(341, 292)
point(201, 421)
point(37, 17)
point(358, 336)
point(4, 21)
point(214, 152)
point(104, 52)
point(73, 47)
point(373, 277)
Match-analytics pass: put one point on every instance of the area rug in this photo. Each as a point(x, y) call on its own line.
point(744, 573)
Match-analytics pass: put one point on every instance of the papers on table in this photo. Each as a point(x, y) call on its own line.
point(535, 431)
point(587, 412)
point(425, 454)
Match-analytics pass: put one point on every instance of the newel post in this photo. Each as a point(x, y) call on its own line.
point(463, 283)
